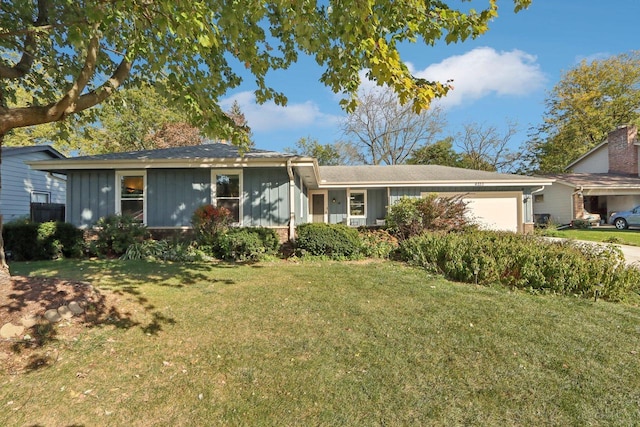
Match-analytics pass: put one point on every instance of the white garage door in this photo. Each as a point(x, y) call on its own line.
point(494, 212)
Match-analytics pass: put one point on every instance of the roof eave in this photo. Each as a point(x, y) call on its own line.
point(436, 183)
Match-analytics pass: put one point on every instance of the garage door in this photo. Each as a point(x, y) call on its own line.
point(494, 211)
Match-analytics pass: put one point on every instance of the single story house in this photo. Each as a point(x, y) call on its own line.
point(604, 180)
point(264, 188)
point(22, 186)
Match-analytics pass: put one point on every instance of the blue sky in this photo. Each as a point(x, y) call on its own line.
point(504, 75)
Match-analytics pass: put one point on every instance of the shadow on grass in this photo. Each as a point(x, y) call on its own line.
point(36, 295)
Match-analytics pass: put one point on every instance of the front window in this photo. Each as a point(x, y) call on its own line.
point(40, 197)
point(227, 193)
point(358, 203)
point(131, 187)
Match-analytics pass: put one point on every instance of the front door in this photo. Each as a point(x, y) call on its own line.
point(318, 207)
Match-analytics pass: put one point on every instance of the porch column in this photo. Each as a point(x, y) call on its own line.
point(578, 204)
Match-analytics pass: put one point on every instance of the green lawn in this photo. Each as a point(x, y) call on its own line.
point(610, 235)
point(320, 343)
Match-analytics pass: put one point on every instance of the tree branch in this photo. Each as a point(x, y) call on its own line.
point(26, 61)
point(35, 115)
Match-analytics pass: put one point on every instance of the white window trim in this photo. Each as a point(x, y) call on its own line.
point(45, 193)
point(119, 175)
point(349, 193)
point(214, 199)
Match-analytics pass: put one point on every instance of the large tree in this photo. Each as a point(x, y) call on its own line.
point(339, 153)
point(384, 131)
point(485, 147)
point(439, 153)
point(72, 55)
point(589, 101)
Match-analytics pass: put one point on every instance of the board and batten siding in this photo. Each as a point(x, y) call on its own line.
point(266, 197)
point(174, 194)
point(19, 180)
point(90, 196)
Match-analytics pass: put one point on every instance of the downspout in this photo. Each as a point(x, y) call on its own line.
point(292, 202)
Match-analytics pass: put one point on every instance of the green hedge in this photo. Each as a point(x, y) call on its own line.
point(525, 262)
point(336, 241)
point(247, 244)
point(29, 241)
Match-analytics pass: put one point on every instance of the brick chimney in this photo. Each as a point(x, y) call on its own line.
point(623, 154)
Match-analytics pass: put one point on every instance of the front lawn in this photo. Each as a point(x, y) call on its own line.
point(595, 234)
point(325, 343)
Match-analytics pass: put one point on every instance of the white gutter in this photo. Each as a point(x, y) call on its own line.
point(292, 203)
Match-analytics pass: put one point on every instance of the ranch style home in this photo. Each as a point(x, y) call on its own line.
point(163, 187)
point(604, 180)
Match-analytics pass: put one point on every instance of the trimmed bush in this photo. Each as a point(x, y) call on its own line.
point(247, 244)
point(49, 240)
point(115, 233)
point(524, 262)
point(336, 241)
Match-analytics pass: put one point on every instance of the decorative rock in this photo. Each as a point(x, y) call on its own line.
point(9, 330)
point(29, 320)
point(75, 308)
point(64, 312)
point(52, 316)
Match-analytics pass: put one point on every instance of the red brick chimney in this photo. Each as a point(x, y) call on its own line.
point(623, 153)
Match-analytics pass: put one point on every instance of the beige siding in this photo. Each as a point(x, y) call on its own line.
point(596, 162)
point(557, 203)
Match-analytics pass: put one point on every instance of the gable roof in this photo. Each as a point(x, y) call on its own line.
point(17, 151)
point(419, 175)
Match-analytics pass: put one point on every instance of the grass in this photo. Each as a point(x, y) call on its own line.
point(321, 343)
point(609, 235)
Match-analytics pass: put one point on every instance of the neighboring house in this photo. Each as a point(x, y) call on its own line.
point(263, 188)
point(22, 185)
point(604, 180)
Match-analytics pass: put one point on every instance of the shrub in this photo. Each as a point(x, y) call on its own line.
point(240, 244)
point(164, 250)
point(378, 243)
point(115, 233)
point(336, 241)
point(49, 240)
point(208, 221)
point(410, 217)
point(524, 262)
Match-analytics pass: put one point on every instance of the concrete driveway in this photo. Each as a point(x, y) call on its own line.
point(631, 253)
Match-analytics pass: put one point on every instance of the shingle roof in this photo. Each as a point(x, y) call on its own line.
point(15, 151)
point(411, 174)
point(203, 151)
point(598, 180)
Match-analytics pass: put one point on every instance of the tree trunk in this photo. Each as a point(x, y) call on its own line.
point(4, 268)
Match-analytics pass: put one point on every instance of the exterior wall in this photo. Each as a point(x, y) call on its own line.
point(337, 210)
point(623, 154)
point(18, 181)
point(266, 197)
point(174, 194)
point(596, 162)
point(557, 203)
point(90, 196)
point(301, 206)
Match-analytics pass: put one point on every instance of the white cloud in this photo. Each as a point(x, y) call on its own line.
point(272, 117)
point(484, 71)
